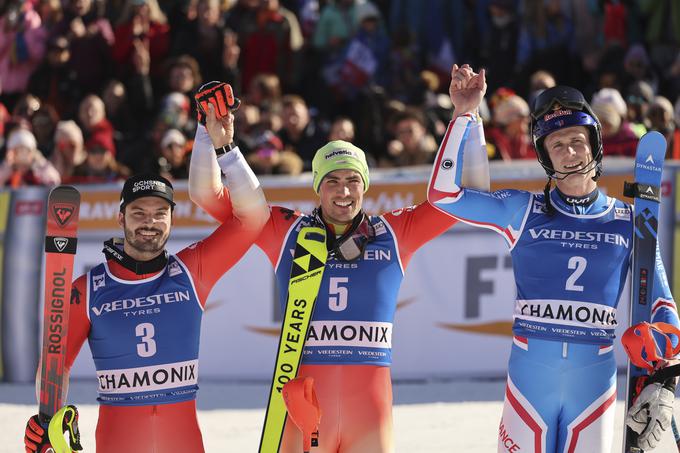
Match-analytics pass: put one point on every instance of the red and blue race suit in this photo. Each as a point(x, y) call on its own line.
point(570, 269)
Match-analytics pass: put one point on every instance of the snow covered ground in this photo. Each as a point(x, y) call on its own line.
point(436, 416)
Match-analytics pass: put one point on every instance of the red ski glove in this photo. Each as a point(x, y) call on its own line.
point(220, 95)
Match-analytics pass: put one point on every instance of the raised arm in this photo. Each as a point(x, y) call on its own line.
point(243, 196)
point(205, 179)
point(461, 167)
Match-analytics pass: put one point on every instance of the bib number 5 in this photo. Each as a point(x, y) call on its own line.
point(338, 294)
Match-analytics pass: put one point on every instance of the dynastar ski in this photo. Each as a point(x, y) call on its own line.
point(306, 273)
point(649, 161)
point(60, 247)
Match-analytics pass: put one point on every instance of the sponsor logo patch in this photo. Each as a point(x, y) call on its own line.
point(538, 207)
point(63, 213)
point(350, 333)
point(60, 243)
point(98, 281)
point(380, 228)
point(622, 213)
point(144, 379)
point(174, 269)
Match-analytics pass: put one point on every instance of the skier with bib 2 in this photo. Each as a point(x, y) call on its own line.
point(571, 252)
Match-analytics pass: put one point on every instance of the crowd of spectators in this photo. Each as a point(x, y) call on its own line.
point(93, 90)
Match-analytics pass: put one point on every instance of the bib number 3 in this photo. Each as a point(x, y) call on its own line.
point(147, 347)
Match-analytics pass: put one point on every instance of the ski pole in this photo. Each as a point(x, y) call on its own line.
point(676, 433)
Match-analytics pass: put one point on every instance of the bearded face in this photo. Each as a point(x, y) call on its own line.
point(146, 223)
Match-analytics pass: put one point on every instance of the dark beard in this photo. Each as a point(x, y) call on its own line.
point(155, 246)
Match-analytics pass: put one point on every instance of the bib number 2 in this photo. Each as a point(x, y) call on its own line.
point(578, 264)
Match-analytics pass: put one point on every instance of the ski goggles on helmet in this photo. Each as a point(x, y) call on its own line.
point(566, 97)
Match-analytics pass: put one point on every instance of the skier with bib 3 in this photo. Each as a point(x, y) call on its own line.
point(571, 252)
point(141, 313)
point(367, 256)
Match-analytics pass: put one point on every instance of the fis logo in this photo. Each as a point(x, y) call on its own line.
point(98, 281)
point(538, 207)
point(174, 269)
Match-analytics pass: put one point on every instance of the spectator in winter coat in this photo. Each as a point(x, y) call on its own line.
point(172, 162)
point(100, 165)
point(269, 158)
point(183, 74)
point(95, 125)
point(55, 81)
point(499, 44)
point(231, 51)
point(300, 133)
point(638, 97)
point(675, 142)
point(22, 47)
point(660, 118)
point(363, 62)
point(24, 165)
point(335, 26)
point(412, 145)
point(509, 136)
point(141, 23)
point(43, 123)
point(203, 39)
point(69, 149)
point(342, 128)
point(90, 39)
point(618, 138)
point(272, 46)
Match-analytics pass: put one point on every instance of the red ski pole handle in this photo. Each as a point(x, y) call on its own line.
point(303, 409)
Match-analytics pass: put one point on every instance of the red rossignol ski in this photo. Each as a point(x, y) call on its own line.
point(63, 207)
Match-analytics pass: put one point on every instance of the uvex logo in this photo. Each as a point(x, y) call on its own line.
point(62, 213)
